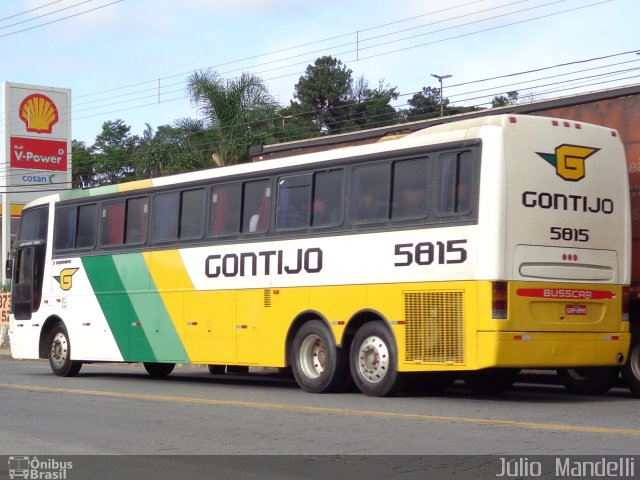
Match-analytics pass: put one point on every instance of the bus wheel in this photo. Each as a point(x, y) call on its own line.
point(318, 365)
point(60, 353)
point(631, 369)
point(158, 370)
point(217, 369)
point(588, 380)
point(491, 381)
point(373, 361)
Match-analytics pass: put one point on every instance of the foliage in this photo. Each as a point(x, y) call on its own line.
point(425, 104)
point(112, 153)
point(330, 102)
point(108, 160)
point(502, 101)
point(172, 149)
point(238, 113)
point(82, 174)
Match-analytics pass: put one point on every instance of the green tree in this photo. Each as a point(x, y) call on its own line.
point(502, 101)
point(238, 113)
point(323, 91)
point(330, 101)
point(425, 104)
point(82, 160)
point(172, 149)
point(112, 153)
point(371, 107)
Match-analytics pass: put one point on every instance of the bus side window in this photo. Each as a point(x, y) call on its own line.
point(191, 214)
point(64, 228)
point(112, 223)
point(455, 172)
point(328, 198)
point(137, 218)
point(411, 180)
point(225, 210)
point(165, 217)
point(256, 205)
point(370, 193)
point(294, 198)
point(86, 226)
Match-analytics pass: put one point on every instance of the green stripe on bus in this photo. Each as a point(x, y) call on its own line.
point(117, 308)
point(90, 192)
point(150, 309)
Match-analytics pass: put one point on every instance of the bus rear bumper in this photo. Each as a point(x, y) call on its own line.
point(551, 349)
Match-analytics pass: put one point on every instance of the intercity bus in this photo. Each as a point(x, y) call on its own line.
point(467, 250)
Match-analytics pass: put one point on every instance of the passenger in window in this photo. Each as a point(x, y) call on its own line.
point(321, 213)
point(370, 208)
point(413, 202)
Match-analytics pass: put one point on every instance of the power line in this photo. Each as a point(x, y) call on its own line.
point(45, 15)
point(29, 11)
point(60, 19)
point(378, 45)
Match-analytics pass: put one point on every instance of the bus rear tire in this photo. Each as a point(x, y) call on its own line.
point(588, 380)
point(318, 365)
point(631, 369)
point(373, 361)
point(217, 369)
point(159, 370)
point(491, 381)
point(60, 353)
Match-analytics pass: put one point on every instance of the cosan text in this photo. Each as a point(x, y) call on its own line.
point(268, 262)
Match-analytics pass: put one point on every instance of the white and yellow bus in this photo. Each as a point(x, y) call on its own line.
point(470, 249)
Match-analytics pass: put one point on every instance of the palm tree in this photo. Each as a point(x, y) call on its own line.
point(239, 113)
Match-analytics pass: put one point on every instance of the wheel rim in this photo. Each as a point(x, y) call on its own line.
point(313, 356)
point(634, 362)
point(59, 350)
point(373, 359)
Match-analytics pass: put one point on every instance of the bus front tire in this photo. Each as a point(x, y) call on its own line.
point(60, 353)
point(158, 370)
point(491, 381)
point(318, 365)
point(588, 380)
point(631, 369)
point(373, 361)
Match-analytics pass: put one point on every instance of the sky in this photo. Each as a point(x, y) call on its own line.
point(130, 59)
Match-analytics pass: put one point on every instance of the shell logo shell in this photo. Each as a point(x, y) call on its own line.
point(39, 113)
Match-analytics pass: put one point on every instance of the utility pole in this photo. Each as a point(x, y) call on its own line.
point(441, 77)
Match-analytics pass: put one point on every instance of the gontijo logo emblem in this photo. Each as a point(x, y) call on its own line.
point(65, 278)
point(569, 161)
point(39, 113)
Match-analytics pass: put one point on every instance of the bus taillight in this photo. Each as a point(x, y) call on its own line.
point(499, 301)
point(625, 303)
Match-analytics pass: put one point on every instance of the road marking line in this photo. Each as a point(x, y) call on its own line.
point(340, 411)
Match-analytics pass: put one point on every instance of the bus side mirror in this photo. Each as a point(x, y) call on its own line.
point(8, 269)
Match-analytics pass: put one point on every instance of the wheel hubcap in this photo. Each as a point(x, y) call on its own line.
point(59, 350)
point(313, 356)
point(373, 359)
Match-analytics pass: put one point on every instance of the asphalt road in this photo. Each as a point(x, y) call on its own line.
point(118, 409)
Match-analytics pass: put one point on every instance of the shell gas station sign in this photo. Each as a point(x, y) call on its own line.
point(36, 146)
point(37, 140)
